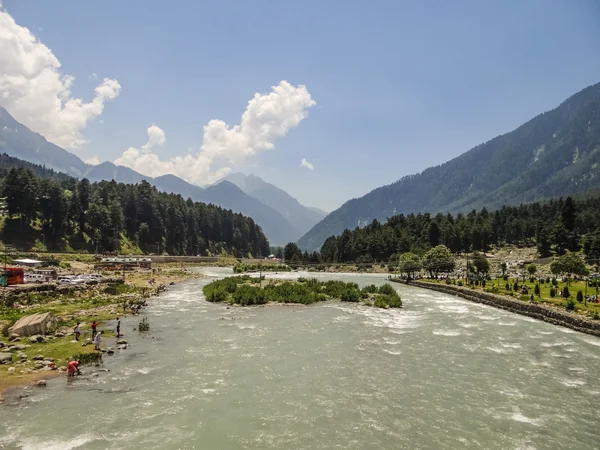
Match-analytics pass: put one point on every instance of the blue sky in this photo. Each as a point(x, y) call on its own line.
point(398, 86)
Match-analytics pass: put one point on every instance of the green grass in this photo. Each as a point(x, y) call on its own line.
point(544, 296)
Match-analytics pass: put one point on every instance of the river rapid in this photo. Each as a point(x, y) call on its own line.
point(440, 373)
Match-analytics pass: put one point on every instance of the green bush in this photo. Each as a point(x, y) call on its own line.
point(554, 281)
point(388, 301)
point(552, 292)
point(596, 316)
point(386, 289)
point(579, 296)
point(566, 293)
point(370, 289)
point(536, 290)
point(570, 305)
point(459, 283)
point(350, 295)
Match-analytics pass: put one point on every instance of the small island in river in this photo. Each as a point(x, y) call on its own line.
point(246, 290)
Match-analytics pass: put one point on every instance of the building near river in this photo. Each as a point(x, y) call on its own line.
point(123, 264)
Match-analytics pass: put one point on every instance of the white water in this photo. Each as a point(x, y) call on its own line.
point(441, 373)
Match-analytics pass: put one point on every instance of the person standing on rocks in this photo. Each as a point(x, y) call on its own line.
point(94, 329)
point(118, 327)
point(77, 331)
point(97, 341)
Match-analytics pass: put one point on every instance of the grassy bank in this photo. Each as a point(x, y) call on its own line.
point(246, 291)
point(100, 303)
point(513, 288)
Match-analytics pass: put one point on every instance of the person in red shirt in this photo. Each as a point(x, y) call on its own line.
point(94, 329)
point(72, 368)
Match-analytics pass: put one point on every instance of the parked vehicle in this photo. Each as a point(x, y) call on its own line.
point(36, 278)
point(12, 275)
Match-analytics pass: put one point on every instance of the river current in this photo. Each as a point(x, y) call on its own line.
point(440, 373)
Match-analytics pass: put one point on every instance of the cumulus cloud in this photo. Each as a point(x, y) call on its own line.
point(266, 118)
point(306, 164)
point(36, 93)
point(94, 161)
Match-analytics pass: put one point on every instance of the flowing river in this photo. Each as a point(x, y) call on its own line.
point(441, 373)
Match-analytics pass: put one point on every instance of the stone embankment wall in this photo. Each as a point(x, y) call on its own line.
point(183, 259)
point(537, 311)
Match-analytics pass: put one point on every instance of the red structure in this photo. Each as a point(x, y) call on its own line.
point(13, 275)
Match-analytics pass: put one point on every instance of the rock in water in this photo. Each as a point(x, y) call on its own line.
point(122, 342)
point(122, 347)
point(110, 351)
point(5, 358)
point(41, 383)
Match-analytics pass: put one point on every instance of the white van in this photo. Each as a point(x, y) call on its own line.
point(35, 278)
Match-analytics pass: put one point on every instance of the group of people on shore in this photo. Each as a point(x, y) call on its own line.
point(96, 334)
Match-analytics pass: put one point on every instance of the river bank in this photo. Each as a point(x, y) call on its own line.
point(542, 312)
point(32, 360)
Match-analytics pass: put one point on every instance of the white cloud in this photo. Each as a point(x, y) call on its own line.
point(305, 163)
point(36, 93)
point(267, 117)
point(94, 161)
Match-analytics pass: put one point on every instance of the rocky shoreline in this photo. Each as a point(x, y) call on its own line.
point(534, 310)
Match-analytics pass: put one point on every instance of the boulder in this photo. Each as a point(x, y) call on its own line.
point(5, 358)
point(122, 342)
point(11, 369)
point(14, 337)
point(33, 339)
point(23, 356)
point(110, 351)
point(2, 344)
point(46, 362)
point(11, 347)
point(38, 358)
point(74, 341)
point(122, 347)
point(49, 359)
point(41, 383)
point(33, 324)
point(20, 347)
point(58, 334)
point(38, 365)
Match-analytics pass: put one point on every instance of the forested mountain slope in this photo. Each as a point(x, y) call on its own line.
point(66, 213)
point(556, 153)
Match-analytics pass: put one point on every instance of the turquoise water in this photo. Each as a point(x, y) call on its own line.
point(441, 373)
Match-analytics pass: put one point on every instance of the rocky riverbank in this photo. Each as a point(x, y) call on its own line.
point(537, 311)
point(25, 360)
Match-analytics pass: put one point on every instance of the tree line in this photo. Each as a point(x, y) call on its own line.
point(554, 227)
point(76, 214)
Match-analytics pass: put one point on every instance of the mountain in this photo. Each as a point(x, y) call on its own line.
point(301, 217)
point(318, 211)
point(556, 153)
point(109, 171)
point(227, 195)
point(19, 141)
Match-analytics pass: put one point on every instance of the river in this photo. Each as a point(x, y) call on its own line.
point(441, 373)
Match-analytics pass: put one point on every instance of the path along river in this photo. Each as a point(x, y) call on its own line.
point(441, 373)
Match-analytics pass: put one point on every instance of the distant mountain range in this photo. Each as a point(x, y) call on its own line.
point(556, 153)
point(280, 216)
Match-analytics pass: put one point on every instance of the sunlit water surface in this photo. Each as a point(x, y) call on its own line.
point(441, 373)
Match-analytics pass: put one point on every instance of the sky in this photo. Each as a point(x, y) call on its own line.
point(326, 100)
